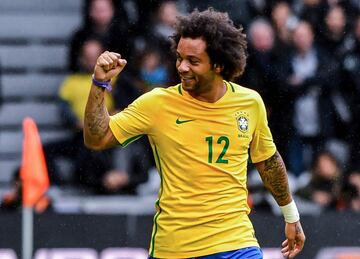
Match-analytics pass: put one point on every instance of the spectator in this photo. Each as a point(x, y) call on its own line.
point(152, 70)
point(143, 14)
point(88, 165)
point(312, 82)
point(260, 72)
point(351, 80)
point(351, 8)
point(324, 183)
point(106, 22)
point(265, 72)
point(283, 21)
point(97, 21)
point(147, 73)
point(335, 41)
point(96, 171)
point(165, 20)
point(350, 195)
point(12, 199)
point(163, 28)
point(354, 182)
point(131, 168)
point(334, 35)
point(259, 8)
point(313, 12)
point(239, 11)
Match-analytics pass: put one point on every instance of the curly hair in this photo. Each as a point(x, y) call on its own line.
point(226, 44)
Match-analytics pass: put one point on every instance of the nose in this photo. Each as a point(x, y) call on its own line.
point(183, 66)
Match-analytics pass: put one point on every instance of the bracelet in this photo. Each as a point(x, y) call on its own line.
point(103, 84)
point(290, 212)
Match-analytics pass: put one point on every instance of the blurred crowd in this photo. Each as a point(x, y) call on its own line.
point(303, 58)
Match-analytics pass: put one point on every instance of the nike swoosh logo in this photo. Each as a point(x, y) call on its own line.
point(178, 121)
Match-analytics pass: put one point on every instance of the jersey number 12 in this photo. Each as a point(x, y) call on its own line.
point(222, 140)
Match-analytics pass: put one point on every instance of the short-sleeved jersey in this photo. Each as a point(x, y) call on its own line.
point(201, 152)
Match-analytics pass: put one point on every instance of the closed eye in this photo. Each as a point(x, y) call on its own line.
point(194, 62)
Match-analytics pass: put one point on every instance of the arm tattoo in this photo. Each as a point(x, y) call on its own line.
point(273, 174)
point(96, 115)
point(298, 229)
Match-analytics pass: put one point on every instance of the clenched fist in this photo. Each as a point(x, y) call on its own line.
point(108, 65)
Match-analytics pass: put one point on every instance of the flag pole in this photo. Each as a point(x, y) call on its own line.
point(27, 232)
point(35, 182)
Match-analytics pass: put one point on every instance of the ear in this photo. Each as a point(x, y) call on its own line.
point(218, 68)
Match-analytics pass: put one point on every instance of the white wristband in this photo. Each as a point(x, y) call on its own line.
point(290, 212)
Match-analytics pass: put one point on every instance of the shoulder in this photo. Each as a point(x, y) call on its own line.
point(157, 95)
point(247, 97)
point(160, 92)
point(244, 92)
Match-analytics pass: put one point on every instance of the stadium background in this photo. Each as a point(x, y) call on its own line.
point(34, 40)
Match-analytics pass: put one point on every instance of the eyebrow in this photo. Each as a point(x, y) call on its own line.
point(189, 56)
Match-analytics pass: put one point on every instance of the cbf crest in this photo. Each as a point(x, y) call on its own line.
point(242, 119)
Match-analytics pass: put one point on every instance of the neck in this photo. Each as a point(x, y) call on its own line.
point(101, 28)
point(304, 52)
point(213, 93)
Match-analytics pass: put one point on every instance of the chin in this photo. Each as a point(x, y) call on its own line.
point(193, 90)
point(188, 86)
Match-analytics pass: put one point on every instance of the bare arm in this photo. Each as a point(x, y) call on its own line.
point(273, 174)
point(97, 133)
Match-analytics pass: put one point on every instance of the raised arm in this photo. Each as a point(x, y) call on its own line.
point(274, 176)
point(97, 134)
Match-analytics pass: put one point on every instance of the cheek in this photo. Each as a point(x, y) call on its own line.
point(207, 75)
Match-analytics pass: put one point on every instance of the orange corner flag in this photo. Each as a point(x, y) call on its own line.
point(34, 174)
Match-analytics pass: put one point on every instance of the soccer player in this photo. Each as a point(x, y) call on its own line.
point(202, 132)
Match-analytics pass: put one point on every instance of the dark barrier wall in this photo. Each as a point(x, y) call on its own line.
point(104, 231)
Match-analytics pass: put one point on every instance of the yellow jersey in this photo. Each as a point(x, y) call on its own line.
point(201, 152)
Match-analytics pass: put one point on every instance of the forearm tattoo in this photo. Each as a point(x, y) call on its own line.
point(273, 174)
point(298, 228)
point(96, 114)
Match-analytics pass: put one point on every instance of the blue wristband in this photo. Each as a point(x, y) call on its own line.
point(102, 84)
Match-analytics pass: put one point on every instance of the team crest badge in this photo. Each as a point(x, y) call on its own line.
point(242, 121)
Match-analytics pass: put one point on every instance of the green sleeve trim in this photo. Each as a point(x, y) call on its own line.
point(155, 231)
point(130, 140)
point(157, 159)
point(179, 89)
point(232, 87)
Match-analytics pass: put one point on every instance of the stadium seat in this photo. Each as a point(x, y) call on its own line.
point(33, 57)
point(11, 141)
point(7, 168)
point(41, 6)
point(25, 86)
point(44, 114)
point(48, 26)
